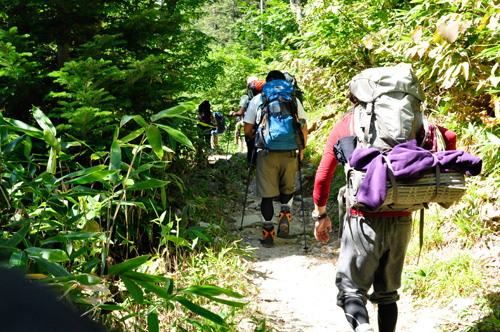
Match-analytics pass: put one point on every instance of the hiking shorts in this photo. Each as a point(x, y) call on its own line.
point(276, 173)
point(382, 243)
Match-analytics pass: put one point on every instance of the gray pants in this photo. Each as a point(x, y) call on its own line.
point(382, 244)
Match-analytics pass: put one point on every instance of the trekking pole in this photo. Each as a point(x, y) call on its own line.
point(302, 205)
point(228, 137)
point(246, 192)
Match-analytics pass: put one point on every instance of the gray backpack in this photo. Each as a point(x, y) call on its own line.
point(387, 113)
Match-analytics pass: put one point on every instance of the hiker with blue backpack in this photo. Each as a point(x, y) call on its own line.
point(277, 121)
point(384, 133)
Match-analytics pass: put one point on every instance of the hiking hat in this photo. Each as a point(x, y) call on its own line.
point(250, 79)
point(275, 75)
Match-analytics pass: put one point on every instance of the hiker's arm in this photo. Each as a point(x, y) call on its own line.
point(322, 226)
point(240, 112)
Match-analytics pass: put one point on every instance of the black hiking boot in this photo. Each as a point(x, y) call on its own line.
point(284, 224)
point(267, 239)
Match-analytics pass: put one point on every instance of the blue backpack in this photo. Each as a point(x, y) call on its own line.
point(278, 128)
point(221, 123)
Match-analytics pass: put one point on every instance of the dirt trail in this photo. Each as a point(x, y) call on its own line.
point(297, 290)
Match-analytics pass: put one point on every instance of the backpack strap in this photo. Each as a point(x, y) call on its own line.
point(341, 199)
point(425, 124)
point(366, 134)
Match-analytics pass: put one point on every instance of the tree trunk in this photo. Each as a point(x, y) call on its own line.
point(62, 54)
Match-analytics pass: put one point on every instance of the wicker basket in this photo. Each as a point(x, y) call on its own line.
point(415, 196)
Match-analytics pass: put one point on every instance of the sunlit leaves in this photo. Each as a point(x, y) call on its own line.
point(448, 31)
point(417, 34)
point(43, 121)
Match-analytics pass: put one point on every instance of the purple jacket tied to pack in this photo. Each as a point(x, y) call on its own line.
point(409, 163)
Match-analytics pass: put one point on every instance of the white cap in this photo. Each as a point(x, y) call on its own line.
point(251, 79)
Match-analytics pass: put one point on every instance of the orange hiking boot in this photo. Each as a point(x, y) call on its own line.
point(284, 224)
point(267, 236)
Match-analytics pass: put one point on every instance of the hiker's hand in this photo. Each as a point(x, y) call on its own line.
point(321, 229)
point(301, 154)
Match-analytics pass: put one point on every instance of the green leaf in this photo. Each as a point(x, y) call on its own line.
point(27, 129)
point(153, 288)
point(139, 276)
point(133, 135)
point(128, 265)
point(84, 279)
point(53, 268)
point(115, 160)
point(19, 259)
point(175, 239)
point(59, 238)
point(154, 138)
point(53, 255)
point(163, 197)
point(137, 118)
point(210, 290)
point(153, 324)
point(82, 172)
point(227, 302)
point(175, 111)
point(43, 121)
point(4, 133)
point(18, 236)
point(134, 290)
point(493, 138)
point(200, 311)
point(28, 145)
point(177, 135)
point(148, 184)
point(110, 307)
point(51, 141)
point(13, 145)
point(52, 162)
point(92, 177)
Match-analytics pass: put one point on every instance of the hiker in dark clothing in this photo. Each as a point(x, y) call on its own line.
point(205, 115)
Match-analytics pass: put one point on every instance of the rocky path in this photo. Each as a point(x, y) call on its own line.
point(297, 288)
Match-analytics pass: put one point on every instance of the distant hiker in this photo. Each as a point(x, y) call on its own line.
point(216, 124)
point(277, 122)
point(206, 117)
point(239, 133)
point(373, 244)
point(220, 128)
point(244, 100)
point(254, 88)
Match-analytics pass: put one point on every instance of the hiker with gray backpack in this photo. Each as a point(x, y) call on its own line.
point(277, 121)
point(395, 163)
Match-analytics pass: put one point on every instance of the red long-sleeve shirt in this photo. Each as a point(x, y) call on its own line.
point(324, 173)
